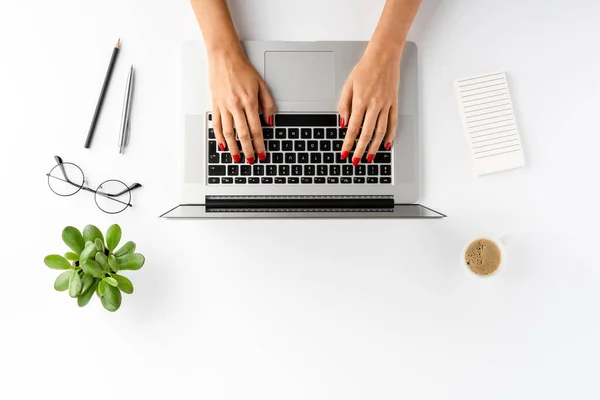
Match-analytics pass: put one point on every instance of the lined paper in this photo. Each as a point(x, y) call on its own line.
point(489, 122)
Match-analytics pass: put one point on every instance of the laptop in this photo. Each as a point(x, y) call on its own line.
point(303, 175)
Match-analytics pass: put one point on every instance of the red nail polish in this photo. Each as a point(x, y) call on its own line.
point(344, 155)
point(355, 161)
point(342, 122)
point(250, 160)
point(370, 158)
point(262, 156)
point(388, 145)
point(222, 146)
point(270, 122)
point(236, 158)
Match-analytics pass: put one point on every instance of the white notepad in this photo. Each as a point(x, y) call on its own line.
point(489, 123)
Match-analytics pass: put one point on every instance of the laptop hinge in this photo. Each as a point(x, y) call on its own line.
point(298, 203)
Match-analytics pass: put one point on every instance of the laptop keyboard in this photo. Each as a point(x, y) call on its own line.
point(301, 149)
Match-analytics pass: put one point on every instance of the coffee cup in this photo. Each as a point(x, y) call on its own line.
point(484, 256)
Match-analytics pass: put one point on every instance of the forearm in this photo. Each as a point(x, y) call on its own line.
point(217, 27)
point(395, 22)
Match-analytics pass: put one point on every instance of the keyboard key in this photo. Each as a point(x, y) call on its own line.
point(297, 170)
point(293, 133)
point(274, 145)
point(373, 170)
point(279, 180)
point(306, 133)
point(266, 180)
point(210, 117)
point(342, 133)
point(385, 170)
point(300, 145)
point(258, 170)
point(227, 180)
point(319, 133)
point(213, 158)
point(284, 170)
point(216, 170)
point(226, 158)
point(348, 170)
point(287, 145)
point(319, 180)
point(381, 158)
point(337, 145)
point(253, 181)
point(212, 147)
point(334, 170)
point(313, 145)
point(293, 180)
point(303, 158)
point(303, 180)
point(268, 133)
point(325, 145)
point(214, 181)
point(277, 158)
point(233, 170)
point(385, 180)
point(360, 169)
point(346, 180)
point(267, 159)
point(372, 179)
point(331, 133)
point(359, 180)
point(322, 170)
point(211, 133)
point(338, 159)
point(271, 170)
point(333, 180)
point(242, 158)
point(246, 170)
point(328, 158)
point(280, 133)
point(315, 158)
point(309, 170)
point(290, 158)
point(240, 180)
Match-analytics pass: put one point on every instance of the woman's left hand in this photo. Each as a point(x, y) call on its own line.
point(370, 100)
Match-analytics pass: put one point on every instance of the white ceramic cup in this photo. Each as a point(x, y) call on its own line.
point(501, 246)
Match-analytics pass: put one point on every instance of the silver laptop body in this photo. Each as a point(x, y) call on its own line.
point(305, 78)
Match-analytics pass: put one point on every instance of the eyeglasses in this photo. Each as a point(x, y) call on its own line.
point(111, 196)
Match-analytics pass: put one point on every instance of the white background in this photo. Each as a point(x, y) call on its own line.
point(304, 309)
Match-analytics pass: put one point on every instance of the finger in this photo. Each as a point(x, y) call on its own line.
point(218, 128)
point(345, 104)
point(380, 130)
point(266, 103)
point(243, 132)
point(365, 135)
point(391, 128)
point(356, 120)
point(258, 141)
point(229, 134)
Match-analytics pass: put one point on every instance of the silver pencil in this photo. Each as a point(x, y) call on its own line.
point(125, 117)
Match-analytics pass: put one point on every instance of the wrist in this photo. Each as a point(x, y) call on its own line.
point(221, 51)
point(384, 52)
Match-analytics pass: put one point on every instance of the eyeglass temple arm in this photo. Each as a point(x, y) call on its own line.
point(130, 188)
point(59, 161)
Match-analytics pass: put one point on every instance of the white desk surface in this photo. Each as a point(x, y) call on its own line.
point(304, 309)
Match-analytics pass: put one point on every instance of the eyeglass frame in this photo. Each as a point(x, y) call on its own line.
point(60, 163)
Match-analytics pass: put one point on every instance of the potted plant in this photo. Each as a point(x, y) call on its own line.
point(93, 265)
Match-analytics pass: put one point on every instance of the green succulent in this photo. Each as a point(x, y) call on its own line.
point(92, 265)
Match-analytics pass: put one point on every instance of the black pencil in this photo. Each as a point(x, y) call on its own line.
point(111, 67)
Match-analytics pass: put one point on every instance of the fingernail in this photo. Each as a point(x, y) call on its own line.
point(236, 158)
point(388, 145)
point(344, 155)
point(270, 121)
point(342, 122)
point(250, 160)
point(370, 158)
point(355, 161)
point(262, 156)
point(222, 146)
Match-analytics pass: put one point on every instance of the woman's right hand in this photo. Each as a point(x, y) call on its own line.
point(238, 92)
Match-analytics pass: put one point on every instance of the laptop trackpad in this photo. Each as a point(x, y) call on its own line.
point(300, 76)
